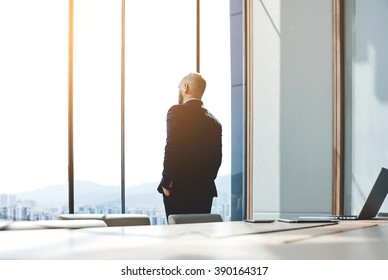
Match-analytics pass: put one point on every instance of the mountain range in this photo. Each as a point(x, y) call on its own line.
point(94, 194)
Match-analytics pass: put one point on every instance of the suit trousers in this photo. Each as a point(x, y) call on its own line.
point(178, 203)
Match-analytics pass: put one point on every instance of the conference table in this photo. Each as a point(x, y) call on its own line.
point(345, 240)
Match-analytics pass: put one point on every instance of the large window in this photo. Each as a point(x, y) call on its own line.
point(97, 96)
point(33, 111)
point(215, 64)
point(160, 39)
point(160, 49)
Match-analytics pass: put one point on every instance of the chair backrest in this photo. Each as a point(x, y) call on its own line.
point(81, 217)
point(112, 220)
point(54, 224)
point(121, 220)
point(193, 218)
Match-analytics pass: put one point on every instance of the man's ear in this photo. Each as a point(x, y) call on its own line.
point(186, 88)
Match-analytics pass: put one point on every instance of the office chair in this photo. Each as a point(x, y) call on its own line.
point(111, 220)
point(193, 218)
point(53, 224)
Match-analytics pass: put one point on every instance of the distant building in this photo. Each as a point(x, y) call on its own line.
point(3, 200)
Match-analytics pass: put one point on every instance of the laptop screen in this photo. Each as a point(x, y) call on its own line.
point(376, 197)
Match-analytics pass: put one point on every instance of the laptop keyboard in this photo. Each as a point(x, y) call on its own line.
point(345, 217)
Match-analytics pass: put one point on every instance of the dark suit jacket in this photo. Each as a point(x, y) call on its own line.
point(193, 150)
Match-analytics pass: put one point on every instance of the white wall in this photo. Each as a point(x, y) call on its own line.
point(292, 106)
point(367, 99)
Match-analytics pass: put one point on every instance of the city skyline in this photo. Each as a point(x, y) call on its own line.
point(49, 202)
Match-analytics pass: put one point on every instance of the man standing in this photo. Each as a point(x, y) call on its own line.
point(193, 152)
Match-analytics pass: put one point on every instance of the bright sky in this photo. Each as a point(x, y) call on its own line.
point(160, 50)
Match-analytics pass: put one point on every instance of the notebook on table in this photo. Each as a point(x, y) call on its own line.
point(369, 211)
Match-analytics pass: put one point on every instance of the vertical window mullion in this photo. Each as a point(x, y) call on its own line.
point(70, 109)
point(198, 33)
point(338, 108)
point(123, 107)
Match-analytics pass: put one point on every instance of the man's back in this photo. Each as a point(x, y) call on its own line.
point(194, 142)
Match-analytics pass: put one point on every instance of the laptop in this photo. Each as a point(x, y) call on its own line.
point(369, 210)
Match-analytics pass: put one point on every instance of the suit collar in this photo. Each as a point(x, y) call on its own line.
point(193, 101)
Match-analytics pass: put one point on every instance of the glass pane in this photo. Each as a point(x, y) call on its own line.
point(237, 119)
point(160, 50)
point(33, 109)
point(97, 107)
point(215, 67)
point(292, 118)
point(366, 100)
